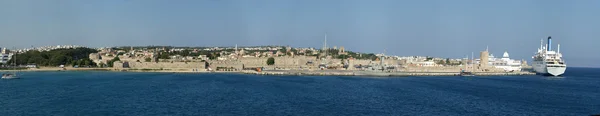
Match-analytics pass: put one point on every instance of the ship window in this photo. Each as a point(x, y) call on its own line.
point(550, 62)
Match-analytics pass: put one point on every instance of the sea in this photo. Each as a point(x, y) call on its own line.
point(92, 93)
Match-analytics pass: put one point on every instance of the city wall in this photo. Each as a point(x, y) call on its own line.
point(161, 65)
point(282, 62)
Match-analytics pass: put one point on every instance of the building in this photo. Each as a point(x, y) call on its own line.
point(342, 51)
point(425, 64)
point(5, 56)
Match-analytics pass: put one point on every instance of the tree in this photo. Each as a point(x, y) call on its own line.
point(111, 62)
point(164, 56)
point(87, 62)
point(148, 59)
point(210, 56)
point(81, 62)
point(342, 56)
point(185, 53)
point(101, 64)
point(441, 62)
point(428, 58)
point(308, 52)
point(447, 60)
point(54, 57)
point(271, 61)
point(57, 60)
point(213, 55)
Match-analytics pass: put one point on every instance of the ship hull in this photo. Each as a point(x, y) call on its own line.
point(553, 70)
point(556, 71)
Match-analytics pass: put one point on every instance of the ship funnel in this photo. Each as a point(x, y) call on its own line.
point(549, 46)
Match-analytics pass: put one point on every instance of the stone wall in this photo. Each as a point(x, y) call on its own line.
point(297, 62)
point(281, 62)
point(227, 63)
point(361, 62)
point(159, 65)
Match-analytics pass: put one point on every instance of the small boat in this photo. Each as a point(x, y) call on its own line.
point(466, 74)
point(9, 76)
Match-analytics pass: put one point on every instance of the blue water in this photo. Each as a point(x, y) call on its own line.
point(122, 93)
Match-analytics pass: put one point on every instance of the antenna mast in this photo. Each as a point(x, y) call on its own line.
point(472, 61)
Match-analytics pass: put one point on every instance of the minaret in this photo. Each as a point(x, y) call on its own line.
point(132, 51)
point(325, 45)
point(155, 55)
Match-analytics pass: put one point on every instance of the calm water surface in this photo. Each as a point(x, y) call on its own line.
point(120, 93)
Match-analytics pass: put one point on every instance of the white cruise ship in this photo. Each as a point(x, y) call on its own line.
point(504, 63)
point(548, 62)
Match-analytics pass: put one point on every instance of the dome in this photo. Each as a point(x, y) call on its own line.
point(505, 55)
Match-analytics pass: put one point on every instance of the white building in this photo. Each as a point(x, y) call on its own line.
point(425, 63)
point(5, 56)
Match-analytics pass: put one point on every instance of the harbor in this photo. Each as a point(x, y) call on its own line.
point(380, 74)
point(274, 60)
point(335, 61)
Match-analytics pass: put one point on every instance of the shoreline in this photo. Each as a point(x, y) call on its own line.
point(383, 74)
point(284, 72)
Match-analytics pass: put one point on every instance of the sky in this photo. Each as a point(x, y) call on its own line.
point(439, 28)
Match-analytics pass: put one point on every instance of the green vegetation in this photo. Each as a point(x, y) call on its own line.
point(441, 62)
point(342, 56)
point(111, 62)
point(163, 56)
point(429, 58)
point(271, 61)
point(148, 60)
point(213, 55)
point(78, 56)
point(102, 65)
point(84, 62)
point(361, 56)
